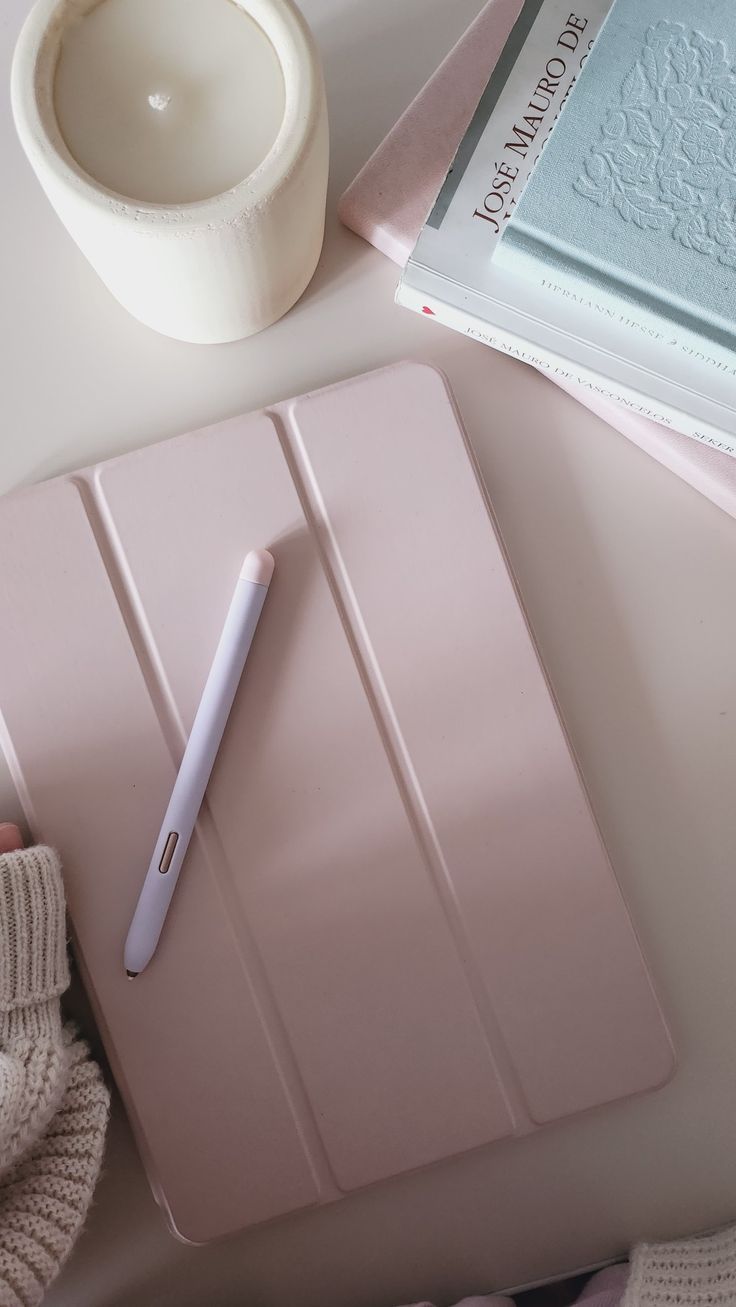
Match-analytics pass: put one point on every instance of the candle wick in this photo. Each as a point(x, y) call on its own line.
point(159, 101)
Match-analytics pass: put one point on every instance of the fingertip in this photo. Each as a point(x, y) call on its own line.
point(10, 837)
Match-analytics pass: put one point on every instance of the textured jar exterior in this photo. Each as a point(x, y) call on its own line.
point(211, 271)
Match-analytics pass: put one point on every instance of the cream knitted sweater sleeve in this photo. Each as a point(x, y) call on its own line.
point(53, 1102)
point(33, 973)
point(698, 1272)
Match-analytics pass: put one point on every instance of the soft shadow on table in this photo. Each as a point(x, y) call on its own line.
point(374, 64)
point(376, 58)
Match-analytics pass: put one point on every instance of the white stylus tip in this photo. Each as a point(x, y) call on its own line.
point(258, 567)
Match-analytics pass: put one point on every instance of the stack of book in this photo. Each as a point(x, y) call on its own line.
point(588, 223)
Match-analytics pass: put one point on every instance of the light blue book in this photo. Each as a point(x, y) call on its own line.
point(633, 201)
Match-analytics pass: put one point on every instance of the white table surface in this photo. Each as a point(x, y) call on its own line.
point(628, 579)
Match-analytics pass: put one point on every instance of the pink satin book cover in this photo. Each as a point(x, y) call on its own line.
point(396, 936)
point(389, 200)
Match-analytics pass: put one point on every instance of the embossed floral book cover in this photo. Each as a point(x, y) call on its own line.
point(612, 262)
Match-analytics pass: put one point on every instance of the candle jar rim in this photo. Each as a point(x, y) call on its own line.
point(32, 93)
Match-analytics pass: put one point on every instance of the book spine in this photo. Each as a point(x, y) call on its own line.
point(525, 95)
point(596, 304)
point(562, 369)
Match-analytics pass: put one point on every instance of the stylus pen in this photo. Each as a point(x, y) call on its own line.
point(198, 761)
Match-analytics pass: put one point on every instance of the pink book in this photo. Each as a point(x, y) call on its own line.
point(396, 936)
point(391, 196)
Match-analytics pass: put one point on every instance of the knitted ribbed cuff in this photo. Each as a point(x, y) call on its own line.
point(692, 1271)
point(33, 957)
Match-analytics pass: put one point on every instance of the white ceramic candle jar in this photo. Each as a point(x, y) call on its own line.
point(183, 144)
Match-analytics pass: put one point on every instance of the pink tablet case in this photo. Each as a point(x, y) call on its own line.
point(389, 200)
point(396, 936)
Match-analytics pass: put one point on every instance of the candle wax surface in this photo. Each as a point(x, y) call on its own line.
point(168, 101)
